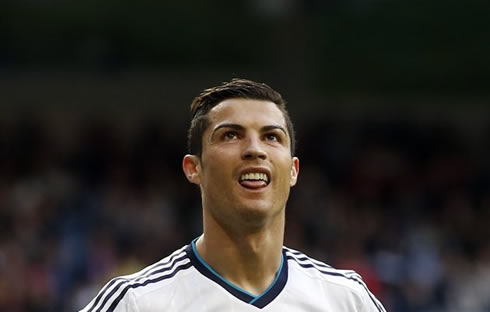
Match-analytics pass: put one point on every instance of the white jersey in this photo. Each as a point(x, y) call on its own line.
point(184, 282)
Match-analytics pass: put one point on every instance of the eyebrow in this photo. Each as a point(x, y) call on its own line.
point(241, 128)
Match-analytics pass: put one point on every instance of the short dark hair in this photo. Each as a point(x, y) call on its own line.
point(237, 88)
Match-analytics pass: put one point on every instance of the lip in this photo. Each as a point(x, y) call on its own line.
point(255, 170)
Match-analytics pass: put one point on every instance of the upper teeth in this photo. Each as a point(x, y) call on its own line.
point(254, 176)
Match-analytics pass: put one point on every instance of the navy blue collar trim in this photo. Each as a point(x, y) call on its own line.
point(259, 301)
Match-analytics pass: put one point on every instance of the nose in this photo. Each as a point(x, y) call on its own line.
point(253, 149)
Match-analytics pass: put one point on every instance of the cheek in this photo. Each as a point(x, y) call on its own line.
point(216, 174)
point(284, 178)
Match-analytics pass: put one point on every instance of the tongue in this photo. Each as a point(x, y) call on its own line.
point(253, 184)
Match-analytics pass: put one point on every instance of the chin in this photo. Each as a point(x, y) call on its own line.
point(258, 214)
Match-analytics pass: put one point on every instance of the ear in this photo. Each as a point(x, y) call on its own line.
point(192, 168)
point(294, 171)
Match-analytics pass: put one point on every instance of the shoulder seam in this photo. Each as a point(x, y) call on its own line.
point(325, 269)
point(110, 290)
point(135, 284)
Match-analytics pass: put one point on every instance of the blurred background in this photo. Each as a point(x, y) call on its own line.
point(391, 103)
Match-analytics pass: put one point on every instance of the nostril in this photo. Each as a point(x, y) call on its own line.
point(247, 155)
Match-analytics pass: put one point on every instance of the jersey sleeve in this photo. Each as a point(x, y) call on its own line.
point(115, 296)
point(370, 302)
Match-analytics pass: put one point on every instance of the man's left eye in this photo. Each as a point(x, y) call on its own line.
point(230, 135)
point(272, 137)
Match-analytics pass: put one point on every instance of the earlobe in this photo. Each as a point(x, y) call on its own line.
point(294, 171)
point(191, 167)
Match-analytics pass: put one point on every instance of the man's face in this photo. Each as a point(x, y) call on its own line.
point(246, 168)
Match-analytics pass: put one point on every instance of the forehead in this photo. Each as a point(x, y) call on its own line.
point(247, 112)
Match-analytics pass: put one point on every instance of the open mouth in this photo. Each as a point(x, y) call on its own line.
point(254, 180)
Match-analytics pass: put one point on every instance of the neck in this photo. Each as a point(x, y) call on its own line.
point(248, 259)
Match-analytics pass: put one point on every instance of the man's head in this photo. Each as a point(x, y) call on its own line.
point(241, 145)
point(234, 89)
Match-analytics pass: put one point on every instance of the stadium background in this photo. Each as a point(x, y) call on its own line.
point(390, 101)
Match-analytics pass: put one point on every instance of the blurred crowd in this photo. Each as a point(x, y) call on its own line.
point(405, 204)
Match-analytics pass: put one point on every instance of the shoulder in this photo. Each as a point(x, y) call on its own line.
point(318, 268)
point(120, 292)
point(346, 284)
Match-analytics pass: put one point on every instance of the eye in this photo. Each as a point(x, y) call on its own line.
point(272, 137)
point(230, 135)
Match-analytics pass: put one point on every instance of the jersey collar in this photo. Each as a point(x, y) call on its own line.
point(259, 301)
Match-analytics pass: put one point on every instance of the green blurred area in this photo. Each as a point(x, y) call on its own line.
point(363, 46)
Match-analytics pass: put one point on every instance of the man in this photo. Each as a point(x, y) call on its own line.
point(241, 144)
